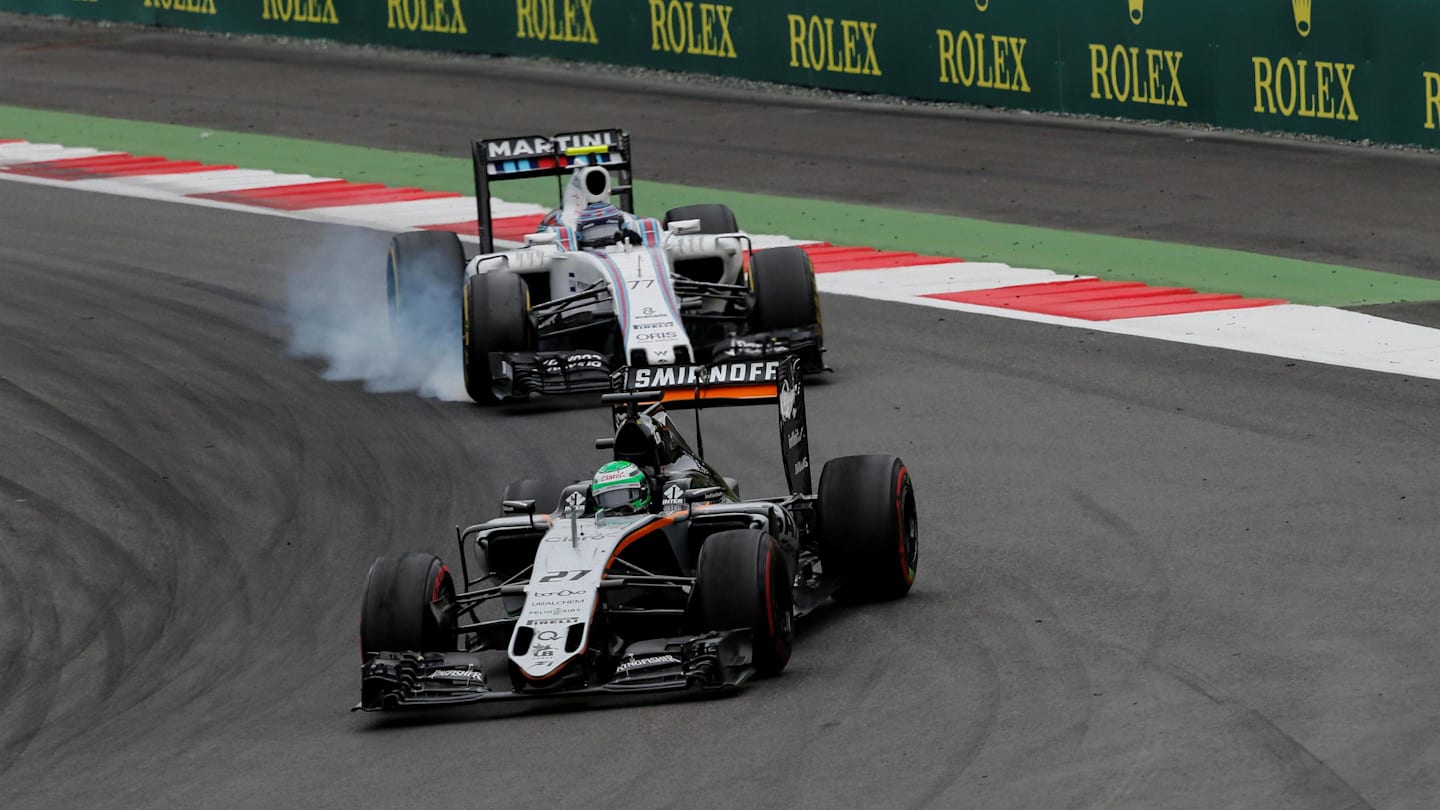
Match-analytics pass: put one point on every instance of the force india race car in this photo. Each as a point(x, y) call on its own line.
point(698, 590)
point(596, 287)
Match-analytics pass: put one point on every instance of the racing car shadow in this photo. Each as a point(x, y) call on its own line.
point(510, 709)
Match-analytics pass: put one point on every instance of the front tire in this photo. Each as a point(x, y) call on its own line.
point(424, 273)
point(741, 581)
point(869, 531)
point(409, 605)
point(782, 290)
point(497, 319)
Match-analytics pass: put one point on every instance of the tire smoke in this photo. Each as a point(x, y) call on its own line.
point(337, 312)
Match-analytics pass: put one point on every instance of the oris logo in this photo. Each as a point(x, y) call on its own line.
point(651, 337)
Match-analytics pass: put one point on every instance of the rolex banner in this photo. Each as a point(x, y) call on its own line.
point(1355, 69)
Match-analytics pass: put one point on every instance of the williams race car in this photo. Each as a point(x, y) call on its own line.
point(654, 575)
point(596, 287)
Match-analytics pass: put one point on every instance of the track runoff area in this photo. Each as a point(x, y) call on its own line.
point(1224, 320)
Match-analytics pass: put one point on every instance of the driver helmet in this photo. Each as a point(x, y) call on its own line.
point(599, 224)
point(620, 488)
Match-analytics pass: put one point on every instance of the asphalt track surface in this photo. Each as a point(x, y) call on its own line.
point(1151, 575)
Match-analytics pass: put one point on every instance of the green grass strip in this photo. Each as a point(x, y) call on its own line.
point(1163, 263)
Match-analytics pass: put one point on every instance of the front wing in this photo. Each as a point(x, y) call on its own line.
point(714, 661)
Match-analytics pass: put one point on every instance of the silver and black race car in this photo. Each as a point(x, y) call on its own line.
point(596, 287)
point(694, 588)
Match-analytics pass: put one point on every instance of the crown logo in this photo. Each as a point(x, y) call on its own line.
point(1137, 10)
point(1302, 16)
point(981, 5)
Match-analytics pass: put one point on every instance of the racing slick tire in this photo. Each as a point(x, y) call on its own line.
point(714, 218)
point(741, 581)
point(868, 527)
point(782, 290)
point(545, 492)
point(496, 319)
point(409, 605)
point(424, 273)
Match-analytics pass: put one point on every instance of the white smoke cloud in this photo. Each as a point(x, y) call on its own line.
point(337, 312)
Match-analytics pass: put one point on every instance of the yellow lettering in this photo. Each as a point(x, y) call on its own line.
point(1432, 99)
point(830, 49)
point(980, 62)
point(525, 13)
point(1323, 107)
point(1154, 60)
point(797, 40)
point(946, 45)
point(707, 32)
point(1264, 84)
point(1343, 73)
point(851, 35)
point(1285, 68)
point(1099, 72)
point(1306, 110)
point(1176, 97)
point(872, 62)
point(998, 47)
point(966, 43)
point(813, 44)
point(727, 45)
point(1017, 47)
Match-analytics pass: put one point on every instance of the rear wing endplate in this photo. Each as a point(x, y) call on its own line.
point(730, 384)
point(528, 156)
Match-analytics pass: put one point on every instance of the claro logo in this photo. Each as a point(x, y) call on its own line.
point(1305, 88)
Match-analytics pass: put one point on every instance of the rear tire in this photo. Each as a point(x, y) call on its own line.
point(424, 273)
point(782, 290)
point(741, 581)
point(497, 319)
point(869, 532)
point(715, 218)
point(409, 605)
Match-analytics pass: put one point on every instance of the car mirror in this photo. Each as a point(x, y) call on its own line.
point(541, 238)
point(704, 495)
point(684, 226)
point(526, 507)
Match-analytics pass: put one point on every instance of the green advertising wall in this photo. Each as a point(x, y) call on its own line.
point(1353, 69)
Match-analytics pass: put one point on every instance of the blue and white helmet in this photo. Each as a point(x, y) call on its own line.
point(600, 224)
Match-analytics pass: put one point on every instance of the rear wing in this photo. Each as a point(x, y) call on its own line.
point(528, 156)
point(729, 384)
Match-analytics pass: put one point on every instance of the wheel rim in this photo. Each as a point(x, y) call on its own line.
point(909, 528)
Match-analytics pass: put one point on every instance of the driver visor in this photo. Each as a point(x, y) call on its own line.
point(617, 497)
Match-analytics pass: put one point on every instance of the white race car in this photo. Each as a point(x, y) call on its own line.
point(596, 287)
